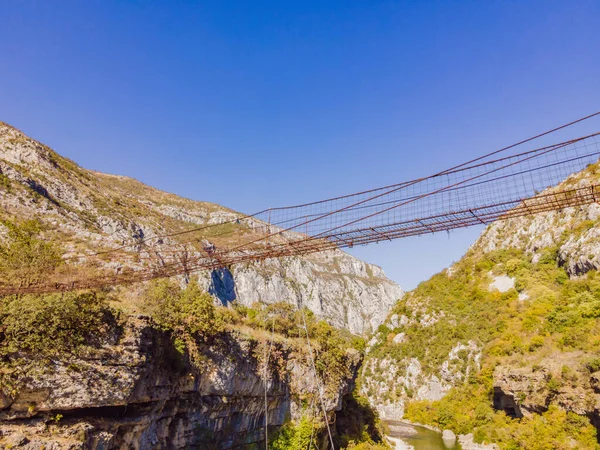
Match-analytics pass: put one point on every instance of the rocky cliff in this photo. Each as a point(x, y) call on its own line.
point(514, 325)
point(345, 291)
point(88, 211)
point(136, 389)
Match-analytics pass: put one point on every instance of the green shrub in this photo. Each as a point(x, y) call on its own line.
point(554, 385)
point(297, 436)
point(52, 324)
point(514, 265)
point(25, 256)
point(593, 365)
point(188, 311)
point(535, 343)
point(357, 422)
point(331, 361)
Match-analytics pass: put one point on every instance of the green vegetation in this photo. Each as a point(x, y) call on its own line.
point(187, 312)
point(358, 425)
point(25, 255)
point(560, 315)
point(35, 329)
point(53, 324)
point(467, 409)
point(5, 183)
point(303, 434)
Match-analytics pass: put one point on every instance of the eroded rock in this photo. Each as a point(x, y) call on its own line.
point(140, 392)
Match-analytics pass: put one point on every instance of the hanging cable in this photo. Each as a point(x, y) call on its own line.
point(316, 376)
point(267, 357)
point(312, 421)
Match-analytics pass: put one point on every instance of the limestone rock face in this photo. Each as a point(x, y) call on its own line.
point(138, 392)
point(523, 391)
point(345, 291)
point(576, 231)
point(86, 210)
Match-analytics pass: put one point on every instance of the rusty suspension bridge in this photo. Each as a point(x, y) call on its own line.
point(518, 180)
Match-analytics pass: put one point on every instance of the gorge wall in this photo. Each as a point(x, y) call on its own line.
point(345, 291)
point(138, 391)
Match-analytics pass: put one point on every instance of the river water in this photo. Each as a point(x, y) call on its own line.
point(420, 438)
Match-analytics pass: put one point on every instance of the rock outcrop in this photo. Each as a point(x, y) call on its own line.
point(574, 231)
point(345, 291)
point(524, 391)
point(137, 391)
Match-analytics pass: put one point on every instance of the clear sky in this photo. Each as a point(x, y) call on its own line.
point(253, 104)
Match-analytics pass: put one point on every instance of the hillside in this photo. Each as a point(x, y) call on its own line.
point(208, 360)
point(86, 211)
point(505, 343)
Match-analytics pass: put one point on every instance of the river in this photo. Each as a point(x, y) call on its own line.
point(420, 438)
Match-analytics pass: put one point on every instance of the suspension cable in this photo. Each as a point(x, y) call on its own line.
point(267, 357)
point(316, 376)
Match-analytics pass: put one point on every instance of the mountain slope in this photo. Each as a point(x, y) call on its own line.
point(506, 342)
point(87, 211)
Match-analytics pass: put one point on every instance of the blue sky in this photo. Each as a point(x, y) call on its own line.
point(259, 104)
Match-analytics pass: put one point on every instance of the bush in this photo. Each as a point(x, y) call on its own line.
point(188, 312)
point(296, 436)
point(554, 385)
point(535, 343)
point(593, 365)
point(24, 256)
point(357, 422)
point(52, 324)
